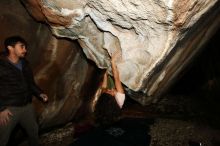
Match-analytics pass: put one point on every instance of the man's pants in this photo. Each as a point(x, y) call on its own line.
point(25, 116)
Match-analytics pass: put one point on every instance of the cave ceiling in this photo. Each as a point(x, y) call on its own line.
point(156, 39)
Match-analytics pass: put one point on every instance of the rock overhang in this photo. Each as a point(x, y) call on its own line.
point(155, 39)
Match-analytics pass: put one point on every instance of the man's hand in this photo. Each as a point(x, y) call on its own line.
point(5, 117)
point(44, 97)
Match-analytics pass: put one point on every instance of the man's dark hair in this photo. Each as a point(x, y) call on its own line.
point(12, 41)
point(107, 110)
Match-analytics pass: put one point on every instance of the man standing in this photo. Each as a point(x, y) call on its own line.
point(17, 86)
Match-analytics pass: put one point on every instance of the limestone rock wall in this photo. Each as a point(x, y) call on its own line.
point(156, 39)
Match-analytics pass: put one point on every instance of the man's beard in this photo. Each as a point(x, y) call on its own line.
point(23, 55)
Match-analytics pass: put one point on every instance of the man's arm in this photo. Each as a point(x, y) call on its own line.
point(105, 81)
point(37, 91)
point(118, 85)
point(34, 87)
point(2, 107)
point(119, 95)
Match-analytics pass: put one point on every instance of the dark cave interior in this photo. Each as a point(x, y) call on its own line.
point(203, 74)
point(197, 89)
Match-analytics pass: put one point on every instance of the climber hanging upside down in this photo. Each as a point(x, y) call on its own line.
point(109, 104)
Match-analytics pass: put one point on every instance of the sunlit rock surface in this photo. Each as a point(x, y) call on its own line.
point(155, 39)
point(59, 65)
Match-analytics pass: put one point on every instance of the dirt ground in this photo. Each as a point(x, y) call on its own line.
point(178, 121)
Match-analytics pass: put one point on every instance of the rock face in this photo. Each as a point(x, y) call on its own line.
point(59, 65)
point(155, 39)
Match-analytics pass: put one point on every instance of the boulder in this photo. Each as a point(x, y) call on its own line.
point(155, 39)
